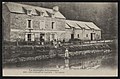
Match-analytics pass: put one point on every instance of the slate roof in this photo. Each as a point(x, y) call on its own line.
point(81, 25)
point(67, 26)
point(92, 26)
point(20, 8)
point(71, 23)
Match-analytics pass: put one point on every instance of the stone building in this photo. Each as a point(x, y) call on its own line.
point(82, 30)
point(31, 23)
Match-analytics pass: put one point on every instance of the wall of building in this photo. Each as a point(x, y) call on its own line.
point(68, 33)
point(87, 34)
point(98, 34)
point(5, 23)
point(18, 23)
point(76, 32)
point(83, 34)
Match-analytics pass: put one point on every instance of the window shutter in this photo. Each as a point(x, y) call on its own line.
point(26, 39)
point(55, 25)
point(44, 25)
point(32, 37)
point(56, 36)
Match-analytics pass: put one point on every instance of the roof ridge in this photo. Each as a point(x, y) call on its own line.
point(29, 5)
point(80, 21)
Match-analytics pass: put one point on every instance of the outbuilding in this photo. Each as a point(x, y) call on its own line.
point(81, 30)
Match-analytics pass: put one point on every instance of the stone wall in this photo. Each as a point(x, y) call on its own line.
point(19, 21)
point(68, 33)
point(83, 34)
point(86, 34)
point(5, 23)
point(18, 24)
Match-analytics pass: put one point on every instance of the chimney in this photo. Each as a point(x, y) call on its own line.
point(3, 2)
point(56, 8)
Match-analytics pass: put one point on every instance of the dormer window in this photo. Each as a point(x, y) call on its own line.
point(83, 28)
point(41, 13)
point(29, 12)
point(53, 16)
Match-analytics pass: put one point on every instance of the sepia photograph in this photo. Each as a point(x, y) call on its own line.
point(60, 39)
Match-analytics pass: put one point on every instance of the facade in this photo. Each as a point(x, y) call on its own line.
point(82, 30)
point(32, 23)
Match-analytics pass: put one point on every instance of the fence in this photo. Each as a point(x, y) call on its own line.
point(83, 42)
point(99, 41)
point(24, 43)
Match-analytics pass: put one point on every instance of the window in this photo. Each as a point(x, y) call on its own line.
point(29, 23)
point(29, 37)
point(53, 25)
point(86, 35)
point(42, 24)
point(29, 12)
point(42, 37)
point(53, 16)
point(78, 35)
point(53, 36)
point(72, 36)
point(41, 13)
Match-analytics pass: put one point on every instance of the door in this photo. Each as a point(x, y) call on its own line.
point(42, 37)
point(92, 36)
point(29, 37)
point(72, 36)
point(53, 37)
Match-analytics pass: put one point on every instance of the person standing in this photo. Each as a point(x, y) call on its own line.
point(59, 43)
point(66, 58)
point(67, 53)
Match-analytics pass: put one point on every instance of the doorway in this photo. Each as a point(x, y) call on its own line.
point(92, 36)
point(53, 37)
point(29, 37)
point(42, 36)
point(72, 36)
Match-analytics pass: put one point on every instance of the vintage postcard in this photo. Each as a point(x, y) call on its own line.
point(60, 39)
